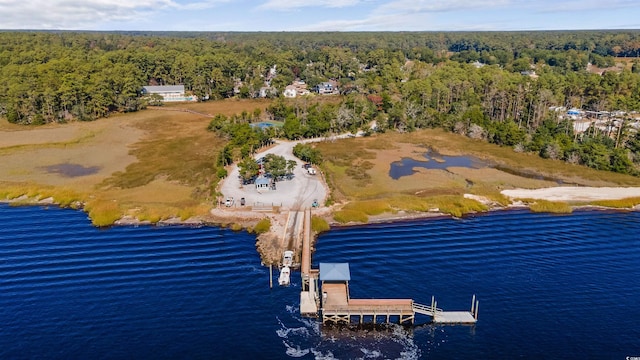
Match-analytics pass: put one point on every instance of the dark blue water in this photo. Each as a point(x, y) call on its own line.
point(549, 287)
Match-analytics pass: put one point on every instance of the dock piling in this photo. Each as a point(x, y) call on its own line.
point(473, 302)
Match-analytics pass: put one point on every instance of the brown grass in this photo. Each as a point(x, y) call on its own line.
point(441, 190)
point(153, 164)
point(556, 207)
point(626, 203)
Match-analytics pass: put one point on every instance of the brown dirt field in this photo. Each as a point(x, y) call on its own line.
point(168, 152)
point(226, 107)
point(25, 152)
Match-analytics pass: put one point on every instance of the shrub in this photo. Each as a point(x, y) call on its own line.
point(319, 224)
point(262, 226)
point(347, 216)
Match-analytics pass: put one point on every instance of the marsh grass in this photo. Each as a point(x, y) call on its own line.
point(350, 216)
point(544, 206)
point(319, 225)
point(626, 203)
point(189, 160)
point(62, 196)
point(370, 190)
point(103, 212)
point(369, 207)
point(454, 205)
point(51, 145)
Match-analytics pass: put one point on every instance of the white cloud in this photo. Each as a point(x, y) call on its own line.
point(296, 4)
point(415, 6)
point(582, 5)
point(85, 14)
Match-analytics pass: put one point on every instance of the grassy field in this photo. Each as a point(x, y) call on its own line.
point(151, 165)
point(357, 171)
point(161, 163)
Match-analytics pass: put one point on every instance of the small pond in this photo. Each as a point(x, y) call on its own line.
point(433, 160)
point(72, 170)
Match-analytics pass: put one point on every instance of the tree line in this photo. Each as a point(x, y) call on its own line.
point(476, 84)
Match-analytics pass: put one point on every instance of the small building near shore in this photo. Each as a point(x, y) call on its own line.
point(263, 183)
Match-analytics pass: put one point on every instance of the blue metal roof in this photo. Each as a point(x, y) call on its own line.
point(261, 180)
point(334, 272)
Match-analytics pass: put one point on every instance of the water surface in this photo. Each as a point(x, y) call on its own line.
point(549, 286)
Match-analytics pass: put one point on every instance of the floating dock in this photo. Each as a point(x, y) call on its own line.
point(337, 307)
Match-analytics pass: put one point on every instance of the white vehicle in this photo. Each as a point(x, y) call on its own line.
point(285, 275)
point(229, 202)
point(311, 171)
point(287, 258)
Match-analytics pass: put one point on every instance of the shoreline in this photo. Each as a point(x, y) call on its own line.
point(245, 220)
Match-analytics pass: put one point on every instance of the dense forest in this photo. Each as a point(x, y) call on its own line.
point(496, 86)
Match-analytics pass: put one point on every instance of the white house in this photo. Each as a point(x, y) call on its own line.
point(327, 88)
point(290, 91)
point(168, 92)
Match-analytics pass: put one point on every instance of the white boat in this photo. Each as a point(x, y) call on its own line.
point(285, 275)
point(287, 258)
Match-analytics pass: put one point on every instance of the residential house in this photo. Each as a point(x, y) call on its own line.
point(297, 88)
point(290, 91)
point(327, 88)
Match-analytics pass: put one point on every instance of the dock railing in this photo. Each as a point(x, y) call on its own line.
point(430, 310)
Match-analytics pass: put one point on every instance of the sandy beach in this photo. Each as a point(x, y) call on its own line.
point(574, 193)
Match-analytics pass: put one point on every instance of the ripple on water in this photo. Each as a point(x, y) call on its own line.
point(549, 286)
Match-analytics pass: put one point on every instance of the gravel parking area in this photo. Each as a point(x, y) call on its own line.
point(295, 194)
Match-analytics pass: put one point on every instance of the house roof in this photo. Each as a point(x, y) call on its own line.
point(334, 272)
point(164, 88)
point(262, 181)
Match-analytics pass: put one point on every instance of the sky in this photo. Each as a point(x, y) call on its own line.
point(319, 15)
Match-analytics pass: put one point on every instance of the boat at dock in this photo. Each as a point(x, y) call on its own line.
point(287, 258)
point(285, 276)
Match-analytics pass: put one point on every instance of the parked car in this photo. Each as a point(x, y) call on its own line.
point(228, 202)
point(306, 166)
point(315, 203)
point(242, 201)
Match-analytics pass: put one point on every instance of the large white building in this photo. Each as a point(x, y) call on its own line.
point(168, 92)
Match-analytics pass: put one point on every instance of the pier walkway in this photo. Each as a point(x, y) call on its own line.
point(309, 298)
point(338, 308)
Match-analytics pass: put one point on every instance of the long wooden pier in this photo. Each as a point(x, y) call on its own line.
point(337, 307)
point(309, 299)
